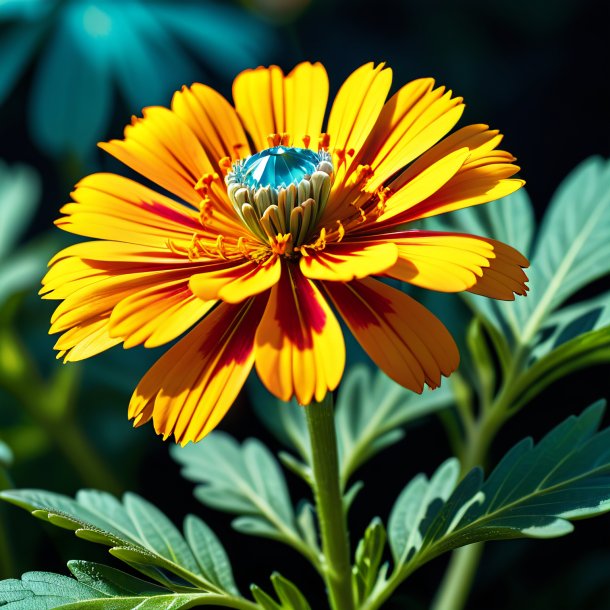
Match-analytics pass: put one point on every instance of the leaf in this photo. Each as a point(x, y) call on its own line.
point(415, 505)
point(534, 492)
point(369, 554)
point(19, 198)
point(210, 554)
point(371, 410)
point(573, 245)
point(98, 588)
point(6, 456)
point(290, 598)
point(137, 531)
point(245, 479)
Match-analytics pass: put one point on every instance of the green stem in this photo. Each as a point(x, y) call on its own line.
point(461, 571)
point(458, 578)
point(329, 504)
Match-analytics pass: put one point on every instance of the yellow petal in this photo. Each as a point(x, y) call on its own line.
point(271, 103)
point(107, 206)
point(424, 185)
point(189, 390)
point(157, 315)
point(357, 107)
point(345, 261)
point(214, 121)
point(87, 339)
point(411, 122)
point(299, 344)
point(236, 282)
point(162, 148)
point(403, 338)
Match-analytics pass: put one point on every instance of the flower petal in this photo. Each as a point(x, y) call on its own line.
point(236, 282)
point(191, 387)
point(107, 206)
point(213, 120)
point(453, 262)
point(162, 148)
point(271, 103)
point(345, 261)
point(357, 107)
point(401, 336)
point(483, 177)
point(412, 121)
point(86, 339)
point(299, 344)
point(157, 315)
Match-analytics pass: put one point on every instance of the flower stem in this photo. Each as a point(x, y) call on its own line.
point(459, 577)
point(329, 504)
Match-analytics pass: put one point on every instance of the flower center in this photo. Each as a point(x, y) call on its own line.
point(280, 194)
point(279, 166)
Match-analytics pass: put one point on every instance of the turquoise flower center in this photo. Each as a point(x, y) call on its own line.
point(278, 167)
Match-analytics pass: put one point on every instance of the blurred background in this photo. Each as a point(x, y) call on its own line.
point(72, 72)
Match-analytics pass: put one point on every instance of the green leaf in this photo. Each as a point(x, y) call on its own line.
point(137, 532)
point(211, 556)
point(573, 245)
point(369, 553)
point(245, 480)
point(534, 492)
point(290, 598)
point(19, 197)
point(96, 587)
point(371, 410)
point(6, 456)
point(413, 507)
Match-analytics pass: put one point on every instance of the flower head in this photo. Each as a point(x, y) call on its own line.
point(280, 221)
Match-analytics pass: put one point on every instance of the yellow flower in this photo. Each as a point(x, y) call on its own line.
point(278, 220)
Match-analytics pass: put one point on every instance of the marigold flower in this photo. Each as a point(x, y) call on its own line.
point(278, 221)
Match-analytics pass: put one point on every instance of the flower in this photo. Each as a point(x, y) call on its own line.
point(278, 221)
point(146, 49)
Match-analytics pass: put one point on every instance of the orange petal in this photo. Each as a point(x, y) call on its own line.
point(107, 206)
point(504, 277)
point(237, 282)
point(190, 388)
point(299, 344)
point(345, 261)
point(453, 262)
point(401, 336)
point(162, 148)
point(271, 103)
point(411, 122)
point(214, 121)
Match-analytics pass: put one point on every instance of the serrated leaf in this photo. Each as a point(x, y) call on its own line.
point(138, 532)
point(245, 480)
point(415, 506)
point(290, 598)
point(44, 591)
point(210, 554)
point(369, 554)
point(534, 492)
point(371, 410)
point(110, 581)
point(573, 245)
